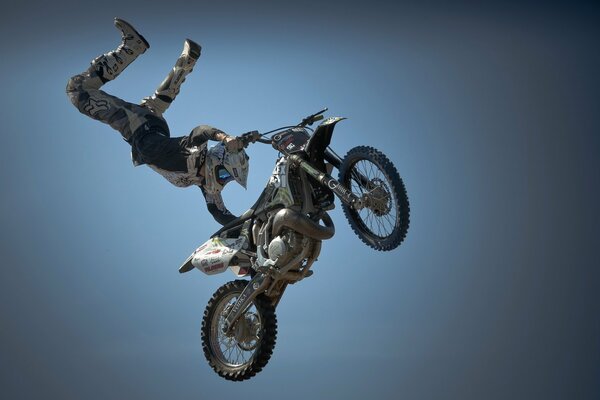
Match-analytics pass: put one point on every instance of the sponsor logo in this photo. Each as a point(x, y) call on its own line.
point(201, 248)
point(333, 185)
point(344, 191)
point(94, 106)
point(213, 267)
point(239, 302)
point(278, 179)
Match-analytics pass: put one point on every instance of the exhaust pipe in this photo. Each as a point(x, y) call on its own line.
point(302, 224)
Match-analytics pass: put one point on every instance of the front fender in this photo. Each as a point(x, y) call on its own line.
point(318, 142)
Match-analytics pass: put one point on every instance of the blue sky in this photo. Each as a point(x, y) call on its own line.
point(488, 112)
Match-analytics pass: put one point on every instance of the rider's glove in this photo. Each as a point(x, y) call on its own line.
point(249, 137)
point(233, 143)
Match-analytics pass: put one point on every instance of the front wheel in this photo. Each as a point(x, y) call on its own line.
point(383, 222)
point(246, 349)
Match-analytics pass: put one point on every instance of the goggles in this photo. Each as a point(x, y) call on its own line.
point(222, 176)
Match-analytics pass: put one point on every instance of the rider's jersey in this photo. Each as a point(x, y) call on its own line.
point(179, 160)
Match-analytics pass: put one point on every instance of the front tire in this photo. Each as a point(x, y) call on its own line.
point(247, 349)
point(382, 224)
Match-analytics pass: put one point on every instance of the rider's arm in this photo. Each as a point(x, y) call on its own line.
point(216, 206)
point(204, 133)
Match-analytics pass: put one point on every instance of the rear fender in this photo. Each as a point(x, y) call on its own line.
point(215, 255)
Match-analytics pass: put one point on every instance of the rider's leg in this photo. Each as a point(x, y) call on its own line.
point(169, 88)
point(83, 89)
point(111, 64)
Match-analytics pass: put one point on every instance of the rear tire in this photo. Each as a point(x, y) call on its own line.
point(245, 352)
point(383, 223)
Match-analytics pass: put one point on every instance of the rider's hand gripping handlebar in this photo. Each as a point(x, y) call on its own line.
point(249, 137)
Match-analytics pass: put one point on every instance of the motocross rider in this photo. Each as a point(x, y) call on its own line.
point(183, 161)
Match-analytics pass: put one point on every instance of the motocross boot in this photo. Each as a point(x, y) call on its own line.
point(169, 88)
point(108, 66)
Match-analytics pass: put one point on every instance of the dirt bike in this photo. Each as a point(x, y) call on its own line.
point(278, 239)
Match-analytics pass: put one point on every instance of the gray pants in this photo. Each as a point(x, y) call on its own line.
point(85, 94)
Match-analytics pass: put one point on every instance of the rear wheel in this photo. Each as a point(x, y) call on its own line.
point(383, 222)
point(246, 349)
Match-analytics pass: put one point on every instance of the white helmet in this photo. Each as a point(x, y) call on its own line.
point(222, 166)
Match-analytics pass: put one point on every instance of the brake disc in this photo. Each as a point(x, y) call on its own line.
point(379, 199)
point(246, 332)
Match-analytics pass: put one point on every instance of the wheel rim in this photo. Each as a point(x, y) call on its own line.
point(239, 347)
point(379, 217)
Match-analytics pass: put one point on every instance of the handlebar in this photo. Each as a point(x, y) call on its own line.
point(255, 136)
point(311, 119)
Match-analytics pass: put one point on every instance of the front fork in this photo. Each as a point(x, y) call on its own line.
point(257, 285)
point(326, 180)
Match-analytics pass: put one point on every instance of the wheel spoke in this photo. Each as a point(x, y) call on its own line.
point(371, 171)
point(227, 348)
point(380, 216)
point(238, 355)
point(377, 220)
point(387, 218)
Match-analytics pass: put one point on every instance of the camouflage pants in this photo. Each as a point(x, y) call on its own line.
point(85, 94)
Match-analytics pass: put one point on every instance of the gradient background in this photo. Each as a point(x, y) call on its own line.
point(490, 113)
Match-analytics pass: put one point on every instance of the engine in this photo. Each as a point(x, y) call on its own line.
point(288, 239)
point(285, 246)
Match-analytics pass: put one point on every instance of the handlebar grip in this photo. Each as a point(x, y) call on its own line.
point(249, 137)
point(311, 119)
